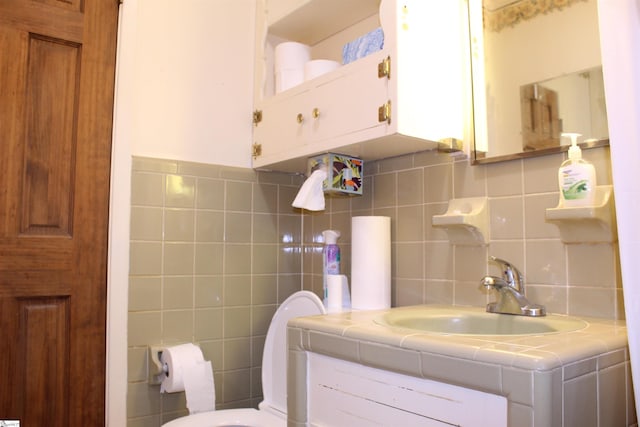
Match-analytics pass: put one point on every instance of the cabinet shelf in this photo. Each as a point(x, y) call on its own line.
point(311, 22)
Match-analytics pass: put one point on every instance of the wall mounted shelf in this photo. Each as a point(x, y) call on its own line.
point(466, 221)
point(587, 224)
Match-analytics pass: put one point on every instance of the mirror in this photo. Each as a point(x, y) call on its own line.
point(537, 73)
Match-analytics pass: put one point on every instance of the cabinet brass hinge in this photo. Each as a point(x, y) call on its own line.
point(384, 68)
point(450, 145)
point(257, 116)
point(384, 112)
point(256, 150)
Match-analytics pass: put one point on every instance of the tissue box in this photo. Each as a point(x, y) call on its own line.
point(344, 173)
point(363, 46)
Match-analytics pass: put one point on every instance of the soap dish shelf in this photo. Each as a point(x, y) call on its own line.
point(587, 224)
point(466, 221)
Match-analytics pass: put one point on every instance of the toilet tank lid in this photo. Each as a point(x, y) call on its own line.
point(274, 359)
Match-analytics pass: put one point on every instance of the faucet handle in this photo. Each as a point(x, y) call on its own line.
point(510, 273)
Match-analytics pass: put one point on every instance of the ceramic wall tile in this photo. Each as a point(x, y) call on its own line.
point(233, 235)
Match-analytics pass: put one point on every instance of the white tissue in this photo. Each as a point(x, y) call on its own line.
point(188, 371)
point(311, 194)
point(199, 388)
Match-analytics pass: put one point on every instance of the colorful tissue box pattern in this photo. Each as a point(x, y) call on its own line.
point(363, 46)
point(344, 173)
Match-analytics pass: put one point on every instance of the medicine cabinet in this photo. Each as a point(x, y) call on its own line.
point(410, 96)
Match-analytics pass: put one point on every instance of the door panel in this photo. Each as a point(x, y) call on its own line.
point(51, 110)
point(56, 85)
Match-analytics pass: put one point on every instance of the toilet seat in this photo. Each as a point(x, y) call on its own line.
point(231, 417)
point(273, 408)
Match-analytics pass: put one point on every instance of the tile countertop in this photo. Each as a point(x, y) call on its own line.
point(357, 337)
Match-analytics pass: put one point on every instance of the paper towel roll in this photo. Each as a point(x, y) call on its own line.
point(188, 371)
point(318, 67)
point(370, 262)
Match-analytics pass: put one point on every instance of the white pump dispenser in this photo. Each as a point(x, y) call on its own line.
point(576, 177)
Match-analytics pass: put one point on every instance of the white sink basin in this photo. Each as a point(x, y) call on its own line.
point(470, 321)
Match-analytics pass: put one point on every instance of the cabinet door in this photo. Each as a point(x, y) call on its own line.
point(348, 104)
point(323, 114)
point(342, 393)
point(280, 130)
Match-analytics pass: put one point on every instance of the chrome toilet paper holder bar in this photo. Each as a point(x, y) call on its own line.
point(157, 370)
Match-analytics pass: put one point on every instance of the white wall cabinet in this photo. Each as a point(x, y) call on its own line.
point(357, 110)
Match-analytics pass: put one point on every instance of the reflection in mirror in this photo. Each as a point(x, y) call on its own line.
point(571, 103)
point(536, 74)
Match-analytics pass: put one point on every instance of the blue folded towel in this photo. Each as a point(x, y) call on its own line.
point(363, 46)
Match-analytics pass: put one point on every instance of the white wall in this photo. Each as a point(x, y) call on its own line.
point(184, 91)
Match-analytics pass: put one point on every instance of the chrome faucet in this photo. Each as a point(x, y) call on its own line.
point(510, 287)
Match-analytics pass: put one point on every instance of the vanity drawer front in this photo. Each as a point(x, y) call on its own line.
point(342, 393)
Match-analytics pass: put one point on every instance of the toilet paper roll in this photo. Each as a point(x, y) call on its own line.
point(288, 77)
point(337, 293)
point(291, 55)
point(289, 60)
point(318, 67)
point(186, 370)
point(370, 262)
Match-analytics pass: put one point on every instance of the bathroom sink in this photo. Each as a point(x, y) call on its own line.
point(470, 321)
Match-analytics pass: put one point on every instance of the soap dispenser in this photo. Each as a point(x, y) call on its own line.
point(576, 177)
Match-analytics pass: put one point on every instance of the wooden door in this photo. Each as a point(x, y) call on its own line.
point(57, 62)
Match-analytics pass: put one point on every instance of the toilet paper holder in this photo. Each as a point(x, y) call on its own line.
point(157, 370)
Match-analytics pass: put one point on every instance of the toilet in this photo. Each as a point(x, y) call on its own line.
point(273, 409)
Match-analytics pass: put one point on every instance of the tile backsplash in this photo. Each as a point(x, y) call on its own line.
point(578, 279)
point(215, 249)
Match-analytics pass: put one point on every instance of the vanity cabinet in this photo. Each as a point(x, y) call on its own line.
point(350, 368)
point(407, 97)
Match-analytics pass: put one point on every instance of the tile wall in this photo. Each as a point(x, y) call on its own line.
point(578, 279)
point(215, 249)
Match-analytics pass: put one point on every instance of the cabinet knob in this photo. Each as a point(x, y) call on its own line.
point(300, 118)
point(315, 113)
